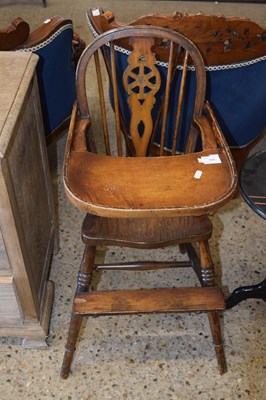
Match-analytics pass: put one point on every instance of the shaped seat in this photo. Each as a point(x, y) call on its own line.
point(58, 48)
point(133, 197)
point(234, 53)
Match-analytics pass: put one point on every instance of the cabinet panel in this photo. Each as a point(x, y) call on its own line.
point(9, 307)
point(30, 203)
point(4, 263)
point(26, 205)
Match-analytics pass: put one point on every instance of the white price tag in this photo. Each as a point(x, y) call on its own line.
point(211, 159)
point(96, 12)
point(198, 174)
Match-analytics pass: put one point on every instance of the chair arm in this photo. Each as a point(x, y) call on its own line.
point(44, 31)
point(76, 140)
point(14, 35)
point(77, 134)
point(100, 21)
point(218, 134)
point(207, 133)
point(47, 29)
point(78, 47)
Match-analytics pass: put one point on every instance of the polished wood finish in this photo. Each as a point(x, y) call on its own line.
point(149, 301)
point(221, 40)
point(124, 232)
point(134, 198)
point(152, 195)
point(14, 35)
point(26, 216)
point(43, 31)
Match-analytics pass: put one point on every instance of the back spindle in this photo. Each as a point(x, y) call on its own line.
point(102, 103)
point(180, 101)
point(116, 100)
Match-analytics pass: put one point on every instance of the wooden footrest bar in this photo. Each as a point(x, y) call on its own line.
point(150, 301)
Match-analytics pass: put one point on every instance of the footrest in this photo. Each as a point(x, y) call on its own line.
point(150, 301)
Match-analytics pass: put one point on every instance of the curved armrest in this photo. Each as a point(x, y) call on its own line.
point(45, 30)
point(78, 47)
point(14, 35)
point(218, 134)
point(101, 21)
point(207, 133)
point(77, 136)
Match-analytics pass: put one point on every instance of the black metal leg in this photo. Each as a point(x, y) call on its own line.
point(246, 292)
point(44, 3)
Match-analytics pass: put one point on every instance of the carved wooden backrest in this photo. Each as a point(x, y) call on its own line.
point(145, 87)
point(220, 39)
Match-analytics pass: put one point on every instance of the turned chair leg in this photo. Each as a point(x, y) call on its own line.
point(73, 332)
point(214, 321)
point(84, 278)
point(207, 273)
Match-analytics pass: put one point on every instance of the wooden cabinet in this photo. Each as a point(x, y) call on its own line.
point(26, 206)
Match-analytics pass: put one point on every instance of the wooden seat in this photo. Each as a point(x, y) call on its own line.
point(234, 53)
point(136, 198)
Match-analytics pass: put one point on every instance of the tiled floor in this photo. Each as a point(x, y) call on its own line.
point(145, 357)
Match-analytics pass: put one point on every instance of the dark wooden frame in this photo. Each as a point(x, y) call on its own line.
point(101, 184)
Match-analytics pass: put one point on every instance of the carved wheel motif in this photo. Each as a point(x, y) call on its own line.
point(142, 81)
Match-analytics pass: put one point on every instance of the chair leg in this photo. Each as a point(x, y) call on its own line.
point(84, 278)
point(182, 248)
point(206, 264)
point(214, 321)
point(73, 332)
point(207, 272)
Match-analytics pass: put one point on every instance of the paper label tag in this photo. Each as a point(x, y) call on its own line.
point(211, 159)
point(198, 174)
point(96, 12)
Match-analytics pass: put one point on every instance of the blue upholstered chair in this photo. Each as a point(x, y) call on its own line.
point(234, 52)
point(58, 48)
